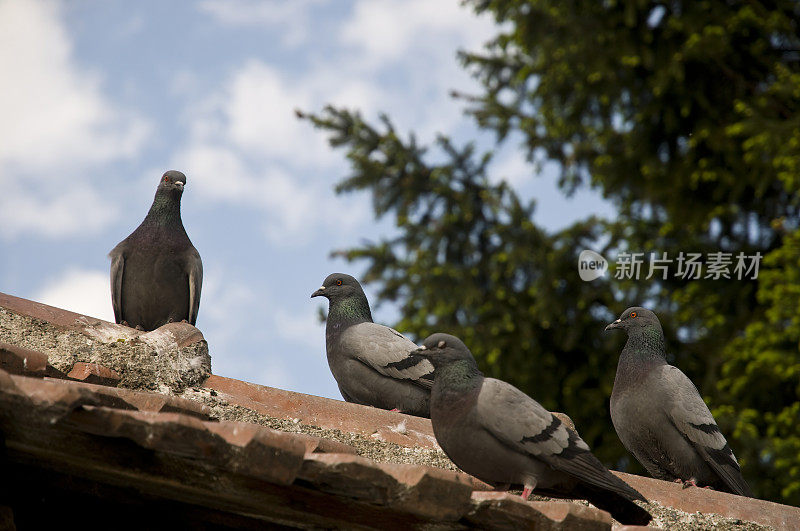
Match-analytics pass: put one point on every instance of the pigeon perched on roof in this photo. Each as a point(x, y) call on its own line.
point(371, 362)
point(661, 418)
point(156, 273)
point(497, 433)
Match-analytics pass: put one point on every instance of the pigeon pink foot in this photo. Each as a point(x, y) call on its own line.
point(527, 491)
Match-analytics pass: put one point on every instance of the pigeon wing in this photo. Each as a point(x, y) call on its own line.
point(388, 352)
point(691, 417)
point(117, 256)
point(520, 422)
point(195, 270)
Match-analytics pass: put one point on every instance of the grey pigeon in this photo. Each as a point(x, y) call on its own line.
point(371, 362)
point(661, 418)
point(156, 273)
point(497, 433)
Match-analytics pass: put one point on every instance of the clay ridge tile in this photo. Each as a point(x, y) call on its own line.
point(388, 492)
point(263, 453)
point(94, 373)
point(19, 360)
point(427, 492)
point(508, 511)
point(145, 401)
point(389, 426)
point(709, 501)
point(61, 396)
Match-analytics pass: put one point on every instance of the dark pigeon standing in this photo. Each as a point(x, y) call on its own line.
point(661, 418)
point(500, 435)
point(371, 362)
point(156, 273)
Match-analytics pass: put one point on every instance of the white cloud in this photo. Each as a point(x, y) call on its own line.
point(255, 111)
point(226, 306)
point(259, 110)
point(217, 173)
point(303, 330)
point(82, 291)
point(54, 114)
point(294, 209)
point(52, 213)
point(387, 30)
point(290, 17)
point(511, 166)
point(56, 126)
point(414, 43)
point(247, 147)
point(229, 312)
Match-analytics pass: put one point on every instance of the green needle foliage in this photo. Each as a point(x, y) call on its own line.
point(687, 116)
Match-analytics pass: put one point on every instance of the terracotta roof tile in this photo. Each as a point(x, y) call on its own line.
point(692, 500)
point(117, 451)
point(431, 492)
point(18, 360)
point(428, 492)
point(95, 433)
point(389, 426)
point(155, 402)
point(93, 373)
point(508, 511)
point(320, 445)
point(63, 396)
point(169, 359)
point(37, 310)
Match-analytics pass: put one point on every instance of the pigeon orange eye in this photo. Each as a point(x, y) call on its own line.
point(338, 282)
point(633, 314)
point(166, 179)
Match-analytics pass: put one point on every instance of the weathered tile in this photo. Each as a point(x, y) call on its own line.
point(319, 445)
point(18, 360)
point(166, 432)
point(431, 493)
point(707, 501)
point(170, 358)
point(94, 373)
point(389, 426)
point(502, 510)
point(350, 476)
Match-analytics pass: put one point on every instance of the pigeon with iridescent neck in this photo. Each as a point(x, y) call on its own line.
point(500, 435)
point(371, 362)
point(156, 273)
point(661, 418)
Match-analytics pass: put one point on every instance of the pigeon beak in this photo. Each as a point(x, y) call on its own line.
point(613, 325)
point(319, 293)
point(179, 184)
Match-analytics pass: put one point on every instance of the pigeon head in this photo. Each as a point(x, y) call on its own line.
point(339, 286)
point(348, 303)
point(636, 318)
point(166, 208)
point(443, 349)
point(172, 183)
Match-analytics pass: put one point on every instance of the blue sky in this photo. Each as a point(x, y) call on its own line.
point(100, 98)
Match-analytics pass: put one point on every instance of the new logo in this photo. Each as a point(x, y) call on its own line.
point(591, 265)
